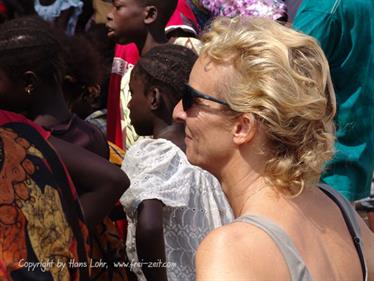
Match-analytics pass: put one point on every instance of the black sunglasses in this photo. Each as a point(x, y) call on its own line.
point(190, 94)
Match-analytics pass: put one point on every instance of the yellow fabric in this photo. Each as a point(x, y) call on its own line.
point(51, 245)
point(116, 154)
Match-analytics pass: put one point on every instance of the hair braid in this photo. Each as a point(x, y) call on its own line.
point(29, 43)
point(168, 65)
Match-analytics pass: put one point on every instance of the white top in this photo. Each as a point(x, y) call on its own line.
point(193, 199)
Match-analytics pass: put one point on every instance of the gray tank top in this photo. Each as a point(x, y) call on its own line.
point(296, 266)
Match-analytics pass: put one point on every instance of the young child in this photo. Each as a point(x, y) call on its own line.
point(171, 205)
point(83, 76)
point(144, 23)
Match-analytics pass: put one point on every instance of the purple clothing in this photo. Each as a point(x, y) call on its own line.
point(82, 133)
point(273, 9)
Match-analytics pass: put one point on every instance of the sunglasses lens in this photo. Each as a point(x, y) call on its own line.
point(187, 99)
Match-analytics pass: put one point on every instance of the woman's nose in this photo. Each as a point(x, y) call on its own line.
point(179, 114)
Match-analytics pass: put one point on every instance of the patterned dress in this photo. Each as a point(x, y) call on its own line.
point(42, 234)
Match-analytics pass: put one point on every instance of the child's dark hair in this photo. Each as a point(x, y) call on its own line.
point(83, 62)
point(97, 35)
point(28, 43)
point(167, 66)
point(82, 81)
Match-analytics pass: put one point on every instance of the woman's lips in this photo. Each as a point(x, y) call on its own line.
point(187, 138)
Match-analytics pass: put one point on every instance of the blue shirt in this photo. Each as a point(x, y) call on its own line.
point(345, 30)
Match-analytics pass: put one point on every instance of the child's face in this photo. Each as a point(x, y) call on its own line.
point(126, 20)
point(140, 113)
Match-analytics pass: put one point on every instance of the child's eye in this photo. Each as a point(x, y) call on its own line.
point(116, 5)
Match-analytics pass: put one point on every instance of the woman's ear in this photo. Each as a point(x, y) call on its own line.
point(151, 14)
point(154, 98)
point(30, 81)
point(245, 128)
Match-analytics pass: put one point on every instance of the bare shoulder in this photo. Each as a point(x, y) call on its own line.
point(239, 251)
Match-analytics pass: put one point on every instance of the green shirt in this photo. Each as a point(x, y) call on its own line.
point(345, 30)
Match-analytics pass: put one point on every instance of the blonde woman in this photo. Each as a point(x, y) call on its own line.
point(259, 110)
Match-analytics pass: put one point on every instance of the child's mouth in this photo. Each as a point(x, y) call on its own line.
point(111, 32)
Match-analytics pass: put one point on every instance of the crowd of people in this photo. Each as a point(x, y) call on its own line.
point(186, 140)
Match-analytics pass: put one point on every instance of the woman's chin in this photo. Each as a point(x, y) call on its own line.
point(193, 157)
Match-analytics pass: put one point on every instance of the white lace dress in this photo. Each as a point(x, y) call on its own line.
point(193, 199)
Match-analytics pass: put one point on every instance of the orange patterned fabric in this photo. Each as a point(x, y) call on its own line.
point(37, 233)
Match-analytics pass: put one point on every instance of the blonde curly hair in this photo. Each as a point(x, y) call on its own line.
point(282, 77)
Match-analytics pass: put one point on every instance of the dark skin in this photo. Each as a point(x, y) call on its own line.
point(155, 117)
point(47, 109)
point(98, 182)
point(147, 33)
point(103, 182)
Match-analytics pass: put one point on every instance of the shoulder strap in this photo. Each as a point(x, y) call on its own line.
point(296, 265)
point(350, 220)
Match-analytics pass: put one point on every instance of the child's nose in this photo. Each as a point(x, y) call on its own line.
point(109, 16)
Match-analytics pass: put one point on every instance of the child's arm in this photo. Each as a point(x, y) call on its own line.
point(150, 239)
point(98, 182)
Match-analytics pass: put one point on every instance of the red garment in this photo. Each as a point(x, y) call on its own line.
point(126, 55)
point(3, 9)
point(40, 215)
point(9, 117)
point(184, 18)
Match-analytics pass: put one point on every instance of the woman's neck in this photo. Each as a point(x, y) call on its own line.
point(241, 179)
point(243, 190)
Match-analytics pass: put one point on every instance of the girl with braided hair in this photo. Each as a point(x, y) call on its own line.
point(33, 58)
point(170, 204)
point(31, 70)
